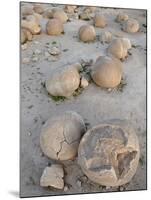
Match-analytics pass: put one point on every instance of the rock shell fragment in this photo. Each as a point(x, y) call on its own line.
point(109, 154)
point(53, 176)
point(60, 136)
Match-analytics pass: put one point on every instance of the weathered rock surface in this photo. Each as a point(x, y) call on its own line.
point(107, 72)
point(53, 176)
point(109, 154)
point(60, 136)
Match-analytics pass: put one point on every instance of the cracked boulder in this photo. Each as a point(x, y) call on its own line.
point(60, 136)
point(107, 72)
point(109, 154)
point(63, 81)
point(53, 176)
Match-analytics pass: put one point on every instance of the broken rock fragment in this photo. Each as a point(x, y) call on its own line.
point(53, 176)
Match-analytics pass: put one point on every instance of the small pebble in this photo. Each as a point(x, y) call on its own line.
point(37, 52)
point(29, 133)
point(25, 60)
point(79, 183)
point(109, 89)
point(121, 188)
point(36, 42)
point(24, 46)
point(34, 59)
point(54, 51)
point(84, 83)
point(66, 188)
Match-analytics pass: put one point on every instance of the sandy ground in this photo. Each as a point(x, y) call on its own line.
point(94, 104)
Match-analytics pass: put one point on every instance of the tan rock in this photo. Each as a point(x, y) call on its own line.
point(87, 33)
point(70, 8)
point(25, 35)
point(31, 25)
point(61, 15)
point(27, 10)
point(107, 72)
point(63, 81)
point(48, 13)
point(54, 27)
point(53, 176)
point(121, 17)
point(60, 136)
point(99, 20)
point(84, 83)
point(119, 48)
point(109, 154)
point(131, 26)
point(106, 37)
point(38, 8)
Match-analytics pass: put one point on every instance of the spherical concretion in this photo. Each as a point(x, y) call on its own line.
point(27, 10)
point(31, 25)
point(121, 17)
point(38, 8)
point(119, 48)
point(131, 26)
point(106, 37)
point(25, 35)
point(35, 17)
point(99, 20)
point(63, 81)
point(107, 72)
point(87, 33)
point(54, 27)
point(109, 154)
point(90, 9)
point(85, 15)
point(48, 13)
point(70, 9)
point(61, 15)
point(60, 136)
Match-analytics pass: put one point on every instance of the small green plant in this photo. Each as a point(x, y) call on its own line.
point(135, 46)
point(57, 98)
point(141, 160)
point(54, 42)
